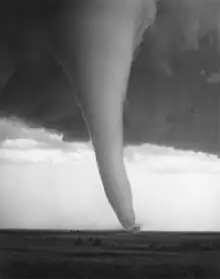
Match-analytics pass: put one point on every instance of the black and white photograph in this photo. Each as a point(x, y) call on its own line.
point(110, 139)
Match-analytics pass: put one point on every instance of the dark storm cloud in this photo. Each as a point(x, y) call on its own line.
point(34, 87)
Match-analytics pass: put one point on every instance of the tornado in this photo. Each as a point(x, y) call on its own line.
point(100, 39)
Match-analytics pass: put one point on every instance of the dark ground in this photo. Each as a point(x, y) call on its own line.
point(95, 254)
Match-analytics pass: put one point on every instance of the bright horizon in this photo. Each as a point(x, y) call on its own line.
point(48, 184)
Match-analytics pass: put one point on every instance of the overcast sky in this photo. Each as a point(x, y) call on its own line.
point(45, 183)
